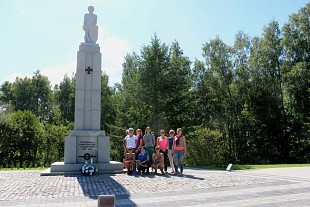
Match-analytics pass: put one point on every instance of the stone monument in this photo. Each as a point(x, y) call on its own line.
point(87, 142)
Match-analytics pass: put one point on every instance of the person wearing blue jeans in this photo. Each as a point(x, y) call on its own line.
point(179, 146)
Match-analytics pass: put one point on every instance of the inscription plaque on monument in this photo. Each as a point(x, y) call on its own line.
point(86, 148)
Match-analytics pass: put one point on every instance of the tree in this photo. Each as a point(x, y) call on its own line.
point(154, 62)
point(129, 95)
point(27, 136)
point(6, 97)
point(42, 90)
point(218, 60)
point(108, 111)
point(65, 96)
point(177, 84)
point(23, 95)
point(52, 148)
point(296, 43)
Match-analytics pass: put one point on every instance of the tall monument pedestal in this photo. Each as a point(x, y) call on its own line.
point(87, 143)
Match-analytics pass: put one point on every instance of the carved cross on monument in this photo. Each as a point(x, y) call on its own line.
point(88, 70)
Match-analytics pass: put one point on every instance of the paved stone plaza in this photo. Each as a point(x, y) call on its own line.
point(265, 187)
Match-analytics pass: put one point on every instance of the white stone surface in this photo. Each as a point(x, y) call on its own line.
point(96, 100)
point(88, 87)
point(96, 80)
point(81, 61)
point(79, 119)
point(89, 26)
point(95, 119)
point(87, 120)
point(88, 100)
point(96, 63)
point(80, 81)
point(105, 167)
point(103, 149)
point(79, 100)
point(70, 150)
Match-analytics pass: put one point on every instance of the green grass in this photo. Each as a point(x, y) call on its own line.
point(247, 167)
point(33, 168)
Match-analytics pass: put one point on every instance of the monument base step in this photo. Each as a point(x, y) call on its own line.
point(60, 168)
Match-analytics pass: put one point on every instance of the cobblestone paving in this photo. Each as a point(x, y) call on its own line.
point(16, 185)
point(197, 187)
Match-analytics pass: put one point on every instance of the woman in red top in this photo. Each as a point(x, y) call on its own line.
point(163, 143)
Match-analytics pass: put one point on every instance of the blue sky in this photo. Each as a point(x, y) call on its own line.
point(45, 35)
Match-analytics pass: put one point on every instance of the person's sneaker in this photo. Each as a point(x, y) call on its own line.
point(162, 172)
point(177, 172)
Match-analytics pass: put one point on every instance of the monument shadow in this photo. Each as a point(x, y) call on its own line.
point(103, 184)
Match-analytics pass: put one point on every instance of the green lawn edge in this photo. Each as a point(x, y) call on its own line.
point(249, 167)
point(35, 168)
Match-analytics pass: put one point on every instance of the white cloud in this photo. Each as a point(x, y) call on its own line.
point(56, 73)
point(12, 77)
point(113, 51)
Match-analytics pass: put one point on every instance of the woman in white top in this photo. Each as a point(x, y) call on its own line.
point(129, 140)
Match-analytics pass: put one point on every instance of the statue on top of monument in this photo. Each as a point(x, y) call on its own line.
point(90, 26)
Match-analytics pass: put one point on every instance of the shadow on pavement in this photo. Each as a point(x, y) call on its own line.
point(103, 184)
point(167, 175)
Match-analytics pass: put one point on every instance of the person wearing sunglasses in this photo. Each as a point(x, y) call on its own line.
point(162, 142)
point(158, 160)
point(129, 160)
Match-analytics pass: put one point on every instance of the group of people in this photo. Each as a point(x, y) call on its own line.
point(142, 152)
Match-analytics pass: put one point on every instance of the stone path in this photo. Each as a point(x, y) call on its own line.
point(198, 187)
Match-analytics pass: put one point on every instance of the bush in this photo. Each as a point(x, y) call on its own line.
point(205, 147)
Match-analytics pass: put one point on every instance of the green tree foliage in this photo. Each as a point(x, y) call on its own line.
point(204, 147)
point(296, 43)
point(221, 85)
point(108, 111)
point(53, 143)
point(43, 94)
point(154, 61)
point(21, 138)
point(65, 96)
point(6, 97)
point(176, 93)
point(128, 96)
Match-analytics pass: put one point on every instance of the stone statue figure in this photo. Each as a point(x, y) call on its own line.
point(90, 26)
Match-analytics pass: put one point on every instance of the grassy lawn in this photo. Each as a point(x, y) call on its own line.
point(246, 167)
point(35, 168)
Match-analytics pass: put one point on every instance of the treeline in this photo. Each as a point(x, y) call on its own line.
point(245, 103)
